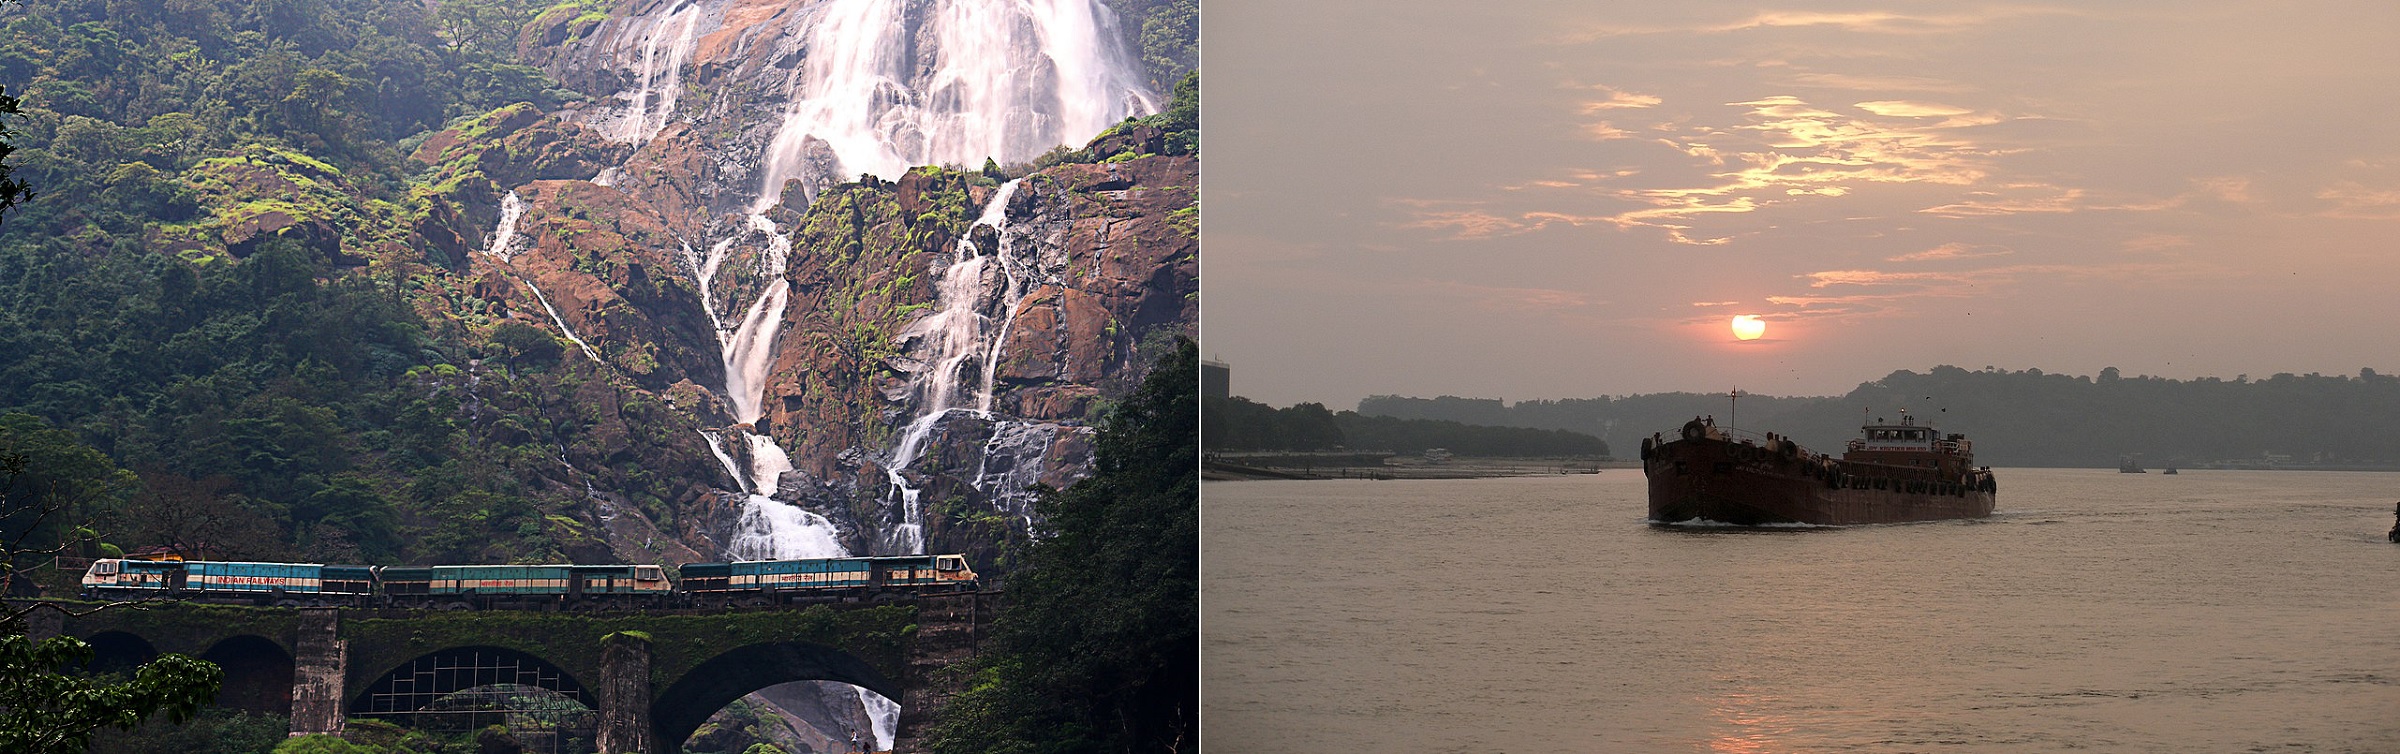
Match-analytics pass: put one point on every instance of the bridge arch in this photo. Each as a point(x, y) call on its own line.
point(258, 674)
point(688, 702)
point(118, 652)
point(414, 685)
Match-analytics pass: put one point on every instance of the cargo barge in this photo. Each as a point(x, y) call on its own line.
point(1893, 473)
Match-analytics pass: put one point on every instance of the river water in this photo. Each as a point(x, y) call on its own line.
point(2095, 611)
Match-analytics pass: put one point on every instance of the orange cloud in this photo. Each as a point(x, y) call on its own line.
point(1862, 22)
point(1952, 250)
point(2354, 200)
point(1618, 99)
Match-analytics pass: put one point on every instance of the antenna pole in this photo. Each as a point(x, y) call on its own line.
point(1733, 412)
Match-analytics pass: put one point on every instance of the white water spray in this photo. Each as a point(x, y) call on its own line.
point(666, 46)
point(960, 330)
point(504, 238)
point(1007, 80)
point(883, 715)
point(769, 529)
point(562, 322)
point(882, 85)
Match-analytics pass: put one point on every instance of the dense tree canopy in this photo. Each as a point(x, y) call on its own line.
point(290, 396)
point(1240, 424)
point(1098, 650)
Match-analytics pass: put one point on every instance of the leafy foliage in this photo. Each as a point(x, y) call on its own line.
point(12, 189)
point(215, 730)
point(50, 485)
point(216, 288)
point(46, 708)
point(1166, 33)
point(1098, 649)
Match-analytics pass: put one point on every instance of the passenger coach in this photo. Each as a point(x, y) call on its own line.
point(547, 586)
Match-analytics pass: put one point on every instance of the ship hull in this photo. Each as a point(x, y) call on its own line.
point(1715, 481)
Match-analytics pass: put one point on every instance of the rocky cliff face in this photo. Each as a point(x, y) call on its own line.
point(632, 240)
point(693, 305)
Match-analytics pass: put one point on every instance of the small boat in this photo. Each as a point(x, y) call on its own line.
point(1891, 473)
point(2126, 465)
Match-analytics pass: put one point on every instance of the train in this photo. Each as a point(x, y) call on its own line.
point(544, 586)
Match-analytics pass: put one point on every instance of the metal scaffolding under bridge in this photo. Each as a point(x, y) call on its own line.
point(468, 690)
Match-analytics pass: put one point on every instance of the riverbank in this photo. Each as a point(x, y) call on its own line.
point(1301, 467)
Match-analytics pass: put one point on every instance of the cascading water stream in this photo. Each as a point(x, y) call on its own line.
point(769, 529)
point(504, 237)
point(503, 247)
point(957, 331)
point(1007, 80)
point(653, 102)
point(879, 86)
point(562, 322)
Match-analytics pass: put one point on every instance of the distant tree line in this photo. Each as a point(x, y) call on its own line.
point(2015, 418)
point(1240, 424)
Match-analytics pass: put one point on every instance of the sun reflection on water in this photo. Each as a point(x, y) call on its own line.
point(1741, 727)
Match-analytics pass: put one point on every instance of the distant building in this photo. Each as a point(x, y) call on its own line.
point(1215, 379)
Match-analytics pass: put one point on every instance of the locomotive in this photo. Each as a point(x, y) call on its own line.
point(548, 586)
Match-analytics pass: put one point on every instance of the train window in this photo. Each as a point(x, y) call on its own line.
point(950, 564)
point(105, 567)
point(648, 573)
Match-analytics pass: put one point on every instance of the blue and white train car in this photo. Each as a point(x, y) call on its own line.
point(289, 578)
point(114, 576)
point(913, 572)
point(268, 581)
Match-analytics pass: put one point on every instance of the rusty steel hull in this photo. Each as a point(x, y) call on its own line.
point(1715, 481)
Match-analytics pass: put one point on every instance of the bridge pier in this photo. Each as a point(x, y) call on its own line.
point(625, 695)
point(949, 631)
point(317, 672)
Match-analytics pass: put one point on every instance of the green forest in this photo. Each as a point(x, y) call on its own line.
point(2016, 418)
point(294, 401)
point(1239, 424)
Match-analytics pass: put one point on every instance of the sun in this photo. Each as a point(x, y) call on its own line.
point(1748, 327)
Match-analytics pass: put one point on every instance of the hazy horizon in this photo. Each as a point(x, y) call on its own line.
point(1546, 200)
point(1352, 403)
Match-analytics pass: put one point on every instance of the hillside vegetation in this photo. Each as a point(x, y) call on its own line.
point(2019, 418)
point(241, 294)
point(1240, 424)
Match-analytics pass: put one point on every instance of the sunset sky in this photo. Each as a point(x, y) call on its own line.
point(1568, 199)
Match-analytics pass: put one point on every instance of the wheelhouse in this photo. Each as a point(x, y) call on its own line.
point(1910, 444)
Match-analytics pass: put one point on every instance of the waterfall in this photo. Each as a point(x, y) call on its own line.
point(1015, 458)
point(652, 101)
point(769, 529)
point(883, 716)
point(503, 247)
point(562, 323)
point(868, 87)
point(1007, 80)
point(749, 348)
point(504, 237)
point(959, 330)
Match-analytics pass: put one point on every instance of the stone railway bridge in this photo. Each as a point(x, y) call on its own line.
point(652, 677)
